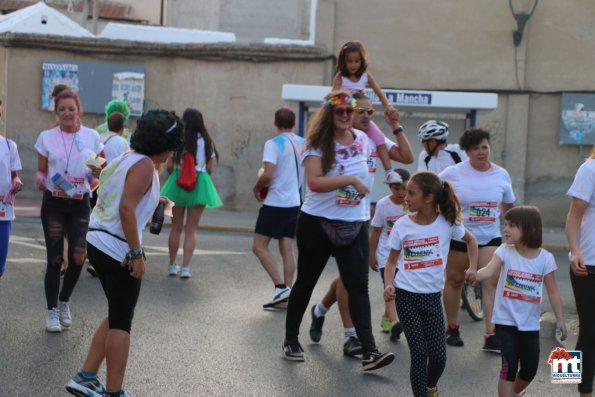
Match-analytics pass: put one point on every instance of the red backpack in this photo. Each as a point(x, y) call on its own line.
point(187, 179)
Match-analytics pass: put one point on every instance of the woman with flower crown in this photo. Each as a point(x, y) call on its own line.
point(332, 221)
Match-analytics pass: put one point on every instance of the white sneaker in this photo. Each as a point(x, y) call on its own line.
point(279, 295)
point(185, 272)
point(65, 318)
point(52, 324)
point(173, 270)
point(391, 176)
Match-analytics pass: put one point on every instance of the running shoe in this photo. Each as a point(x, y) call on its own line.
point(373, 359)
point(52, 323)
point(292, 351)
point(65, 318)
point(92, 271)
point(395, 331)
point(316, 326)
point(434, 392)
point(352, 348)
point(385, 324)
point(491, 344)
point(173, 269)
point(83, 387)
point(279, 295)
point(391, 176)
point(185, 272)
point(453, 336)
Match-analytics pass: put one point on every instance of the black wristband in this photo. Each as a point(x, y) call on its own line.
point(397, 130)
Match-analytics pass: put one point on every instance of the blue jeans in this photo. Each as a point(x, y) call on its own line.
point(5, 227)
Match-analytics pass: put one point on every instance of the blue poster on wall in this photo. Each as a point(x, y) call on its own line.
point(577, 121)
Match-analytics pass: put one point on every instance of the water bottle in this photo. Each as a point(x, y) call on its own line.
point(157, 220)
point(63, 184)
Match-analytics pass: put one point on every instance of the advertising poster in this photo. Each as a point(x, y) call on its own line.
point(577, 122)
point(130, 86)
point(54, 74)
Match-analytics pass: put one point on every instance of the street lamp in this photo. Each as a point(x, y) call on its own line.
point(522, 11)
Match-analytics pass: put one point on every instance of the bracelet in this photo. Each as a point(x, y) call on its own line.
point(397, 130)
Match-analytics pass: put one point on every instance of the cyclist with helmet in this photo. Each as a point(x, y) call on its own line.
point(437, 154)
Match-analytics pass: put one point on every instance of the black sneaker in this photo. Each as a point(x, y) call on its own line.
point(395, 331)
point(453, 337)
point(491, 344)
point(374, 360)
point(293, 351)
point(92, 271)
point(352, 347)
point(316, 326)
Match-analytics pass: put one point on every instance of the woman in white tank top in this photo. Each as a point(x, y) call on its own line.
point(127, 197)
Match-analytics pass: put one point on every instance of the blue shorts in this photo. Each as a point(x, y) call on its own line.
point(5, 227)
point(277, 222)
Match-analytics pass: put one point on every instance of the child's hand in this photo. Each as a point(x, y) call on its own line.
point(373, 264)
point(561, 330)
point(389, 293)
point(471, 277)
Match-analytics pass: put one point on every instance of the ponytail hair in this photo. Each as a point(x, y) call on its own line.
point(445, 197)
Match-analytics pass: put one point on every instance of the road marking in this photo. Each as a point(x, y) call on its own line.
point(26, 260)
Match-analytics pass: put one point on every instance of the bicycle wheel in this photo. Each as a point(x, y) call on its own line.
point(472, 301)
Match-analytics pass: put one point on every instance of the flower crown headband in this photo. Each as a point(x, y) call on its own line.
point(340, 99)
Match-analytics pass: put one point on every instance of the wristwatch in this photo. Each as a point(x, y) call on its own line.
point(397, 130)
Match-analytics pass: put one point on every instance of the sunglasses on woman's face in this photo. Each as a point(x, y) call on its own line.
point(370, 111)
point(343, 111)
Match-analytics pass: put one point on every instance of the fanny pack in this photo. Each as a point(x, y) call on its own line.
point(341, 233)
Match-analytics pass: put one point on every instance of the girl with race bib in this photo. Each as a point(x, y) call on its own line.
point(524, 268)
point(419, 245)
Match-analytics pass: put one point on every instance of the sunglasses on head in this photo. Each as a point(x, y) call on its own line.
point(370, 111)
point(342, 111)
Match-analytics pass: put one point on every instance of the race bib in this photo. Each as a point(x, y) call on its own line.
point(523, 286)
point(482, 211)
point(390, 222)
point(372, 162)
point(2, 207)
point(422, 253)
point(348, 195)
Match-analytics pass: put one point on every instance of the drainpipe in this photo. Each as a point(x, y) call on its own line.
point(95, 15)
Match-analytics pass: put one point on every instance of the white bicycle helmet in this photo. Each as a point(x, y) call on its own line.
point(433, 129)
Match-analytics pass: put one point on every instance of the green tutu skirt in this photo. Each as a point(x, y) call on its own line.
point(204, 193)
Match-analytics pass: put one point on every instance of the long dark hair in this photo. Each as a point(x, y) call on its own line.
point(320, 134)
point(193, 125)
point(351, 46)
point(444, 195)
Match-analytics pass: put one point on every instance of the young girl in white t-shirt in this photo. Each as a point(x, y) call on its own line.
point(419, 244)
point(388, 210)
point(525, 268)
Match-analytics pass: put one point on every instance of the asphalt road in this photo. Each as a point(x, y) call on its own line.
point(209, 336)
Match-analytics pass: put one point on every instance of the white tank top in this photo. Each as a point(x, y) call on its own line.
point(106, 214)
point(356, 86)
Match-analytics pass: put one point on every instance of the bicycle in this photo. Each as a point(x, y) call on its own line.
point(472, 301)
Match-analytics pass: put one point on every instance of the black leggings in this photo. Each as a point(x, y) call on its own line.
point(423, 325)
point(584, 296)
point(315, 249)
point(120, 288)
point(518, 346)
point(63, 217)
